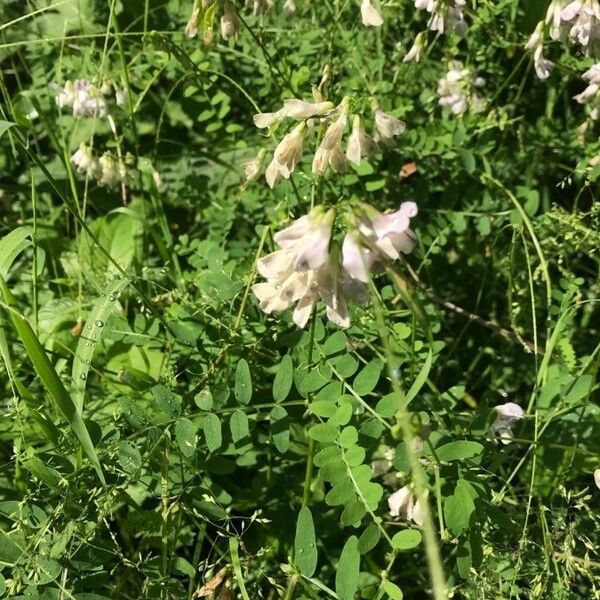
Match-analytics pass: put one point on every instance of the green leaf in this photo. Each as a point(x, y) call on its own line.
point(458, 450)
point(280, 428)
point(130, 458)
point(420, 380)
point(369, 538)
point(392, 590)
point(204, 399)
point(40, 470)
point(238, 424)
point(406, 539)
point(368, 377)
point(581, 388)
point(305, 546)
point(12, 244)
point(185, 433)
point(211, 426)
point(5, 126)
point(243, 383)
point(90, 337)
point(323, 432)
point(459, 507)
point(51, 381)
point(283, 379)
point(348, 570)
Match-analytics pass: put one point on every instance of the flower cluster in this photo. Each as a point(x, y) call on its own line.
point(506, 416)
point(86, 99)
point(307, 267)
point(203, 15)
point(591, 94)
point(104, 169)
point(579, 21)
point(457, 89)
point(329, 153)
point(447, 16)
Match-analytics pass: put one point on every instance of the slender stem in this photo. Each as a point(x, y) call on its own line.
point(432, 550)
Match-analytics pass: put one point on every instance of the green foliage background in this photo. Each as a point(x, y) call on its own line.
point(200, 410)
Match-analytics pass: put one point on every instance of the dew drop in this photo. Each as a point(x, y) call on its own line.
point(99, 323)
point(82, 376)
point(301, 550)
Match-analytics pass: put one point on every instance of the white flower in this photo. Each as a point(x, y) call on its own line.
point(554, 19)
point(402, 503)
point(415, 51)
point(88, 101)
point(264, 120)
point(378, 237)
point(299, 109)
point(230, 24)
point(597, 478)
point(356, 258)
point(337, 159)
point(370, 15)
point(390, 233)
point(587, 94)
point(66, 94)
point(272, 174)
point(428, 5)
point(335, 131)
point(191, 29)
point(120, 96)
point(593, 74)
point(289, 8)
point(289, 150)
point(506, 416)
point(359, 143)
point(388, 126)
point(85, 99)
point(542, 66)
point(253, 168)
point(108, 170)
point(85, 162)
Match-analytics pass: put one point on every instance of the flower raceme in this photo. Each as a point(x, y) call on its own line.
point(578, 20)
point(591, 94)
point(308, 267)
point(85, 99)
point(457, 89)
point(329, 152)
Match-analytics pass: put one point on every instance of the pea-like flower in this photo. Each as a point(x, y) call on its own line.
point(359, 143)
point(506, 416)
point(388, 126)
point(379, 237)
point(300, 109)
point(402, 503)
point(370, 15)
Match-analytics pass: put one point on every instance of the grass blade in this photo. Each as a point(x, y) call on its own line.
point(89, 338)
point(51, 381)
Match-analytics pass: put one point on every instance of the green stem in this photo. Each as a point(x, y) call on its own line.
point(432, 550)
